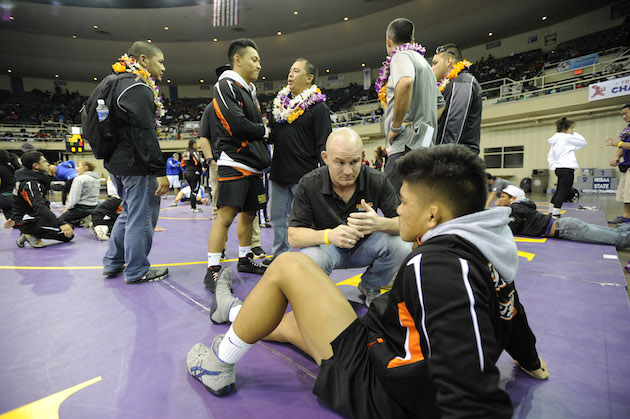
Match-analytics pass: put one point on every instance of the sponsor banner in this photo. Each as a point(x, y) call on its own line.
point(367, 78)
point(579, 62)
point(608, 89)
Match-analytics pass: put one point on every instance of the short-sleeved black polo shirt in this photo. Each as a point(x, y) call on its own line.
point(317, 206)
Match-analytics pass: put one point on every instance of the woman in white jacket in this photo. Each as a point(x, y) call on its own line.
point(562, 160)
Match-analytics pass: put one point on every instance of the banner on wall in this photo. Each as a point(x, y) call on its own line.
point(579, 62)
point(367, 78)
point(608, 89)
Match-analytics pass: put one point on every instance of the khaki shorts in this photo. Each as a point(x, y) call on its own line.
point(623, 190)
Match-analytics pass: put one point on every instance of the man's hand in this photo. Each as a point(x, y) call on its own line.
point(8, 223)
point(67, 230)
point(344, 236)
point(611, 142)
point(162, 185)
point(367, 222)
point(614, 163)
point(541, 373)
point(393, 134)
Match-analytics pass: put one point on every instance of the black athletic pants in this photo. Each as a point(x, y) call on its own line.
point(65, 191)
point(193, 180)
point(75, 214)
point(42, 231)
point(565, 183)
point(6, 205)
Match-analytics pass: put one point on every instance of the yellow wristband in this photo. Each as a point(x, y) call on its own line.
point(326, 236)
point(620, 142)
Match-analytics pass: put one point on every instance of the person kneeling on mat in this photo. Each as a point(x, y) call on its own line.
point(427, 348)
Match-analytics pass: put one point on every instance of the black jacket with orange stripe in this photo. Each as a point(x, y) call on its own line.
point(435, 337)
point(239, 121)
point(30, 201)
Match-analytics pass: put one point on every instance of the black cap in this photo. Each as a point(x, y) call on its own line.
point(219, 70)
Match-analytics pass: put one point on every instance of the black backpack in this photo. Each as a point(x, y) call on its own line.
point(526, 185)
point(101, 136)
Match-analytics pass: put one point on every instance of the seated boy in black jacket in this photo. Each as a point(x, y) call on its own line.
point(428, 347)
point(31, 209)
point(527, 221)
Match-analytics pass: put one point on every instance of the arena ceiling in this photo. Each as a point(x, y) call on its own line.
point(80, 39)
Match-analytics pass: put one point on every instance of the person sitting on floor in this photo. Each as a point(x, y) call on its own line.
point(496, 186)
point(427, 348)
point(184, 195)
point(527, 221)
point(83, 196)
point(334, 219)
point(104, 216)
point(31, 209)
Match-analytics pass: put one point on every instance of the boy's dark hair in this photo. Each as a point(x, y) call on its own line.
point(31, 157)
point(400, 31)
point(237, 47)
point(489, 176)
point(626, 106)
point(191, 143)
point(451, 174)
point(454, 51)
point(563, 124)
point(143, 47)
point(310, 68)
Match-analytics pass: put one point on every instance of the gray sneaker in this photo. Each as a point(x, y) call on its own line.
point(370, 294)
point(223, 299)
point(153, 274)
point(30, 239)
point(215, 375)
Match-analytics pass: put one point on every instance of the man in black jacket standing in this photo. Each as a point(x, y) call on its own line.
point(300, 125)
point(136, 167)
point(243, 157)
point(460, 123)
point(31, 210)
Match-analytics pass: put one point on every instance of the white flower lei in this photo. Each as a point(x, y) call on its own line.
point(287, 110)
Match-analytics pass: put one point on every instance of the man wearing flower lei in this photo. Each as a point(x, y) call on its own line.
point(461, 121)
point(299, 129)
point(623, 152)
point(136, 165)
point(408, 90)
point(243, 158)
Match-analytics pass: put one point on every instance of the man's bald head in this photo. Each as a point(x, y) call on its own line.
point(344, 149)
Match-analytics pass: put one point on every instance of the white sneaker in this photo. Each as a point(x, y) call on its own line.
point(101, 232)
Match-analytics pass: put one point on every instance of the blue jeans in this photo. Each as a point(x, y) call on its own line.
point(281, 200)
point(579, 231)
point(382, 253)
point(132, 236)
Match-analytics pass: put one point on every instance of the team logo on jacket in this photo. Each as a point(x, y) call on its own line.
point(504, 293)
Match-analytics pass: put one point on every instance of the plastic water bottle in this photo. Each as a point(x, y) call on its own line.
point(102, 110)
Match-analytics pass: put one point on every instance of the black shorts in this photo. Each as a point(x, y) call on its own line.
point(347, 381)
point(246, 193)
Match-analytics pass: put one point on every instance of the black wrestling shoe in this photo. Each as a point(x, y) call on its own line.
point(248, 265)
point(267, 261)
point(210, 280)
point(258, 251)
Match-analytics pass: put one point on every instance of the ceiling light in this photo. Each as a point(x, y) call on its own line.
point(279, 33)
point(295, 13)
point(544, 18)
point(489, 33)
point(10, 71)
point(148, 40)
point(201, 81)
point(95, 26)
point(327, 70)
point(168, 81)
point(74, 37)
point(363, 65)
point(57, 75)
point(11, 18)
point(263, 77)
point(95, 78)
point(165, 28)
point(215, 39)
point(345, 18)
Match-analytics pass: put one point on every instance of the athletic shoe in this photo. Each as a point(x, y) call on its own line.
point(32, 240)
point(223, 299)
point(85, 221)
point(153, 274)
point(195, 210)
point(619, 220)
point(172, 204)
point(370, 294)
point(113, 272)
point(267, 261)
point(247, 264)
point(210, 280)
point(556, 216)
point(215, 375)
point(258, 251)
point(101, 232)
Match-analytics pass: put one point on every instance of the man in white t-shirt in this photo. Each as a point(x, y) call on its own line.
point(413, 99)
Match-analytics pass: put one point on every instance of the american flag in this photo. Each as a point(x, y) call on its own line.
point(225, 13)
